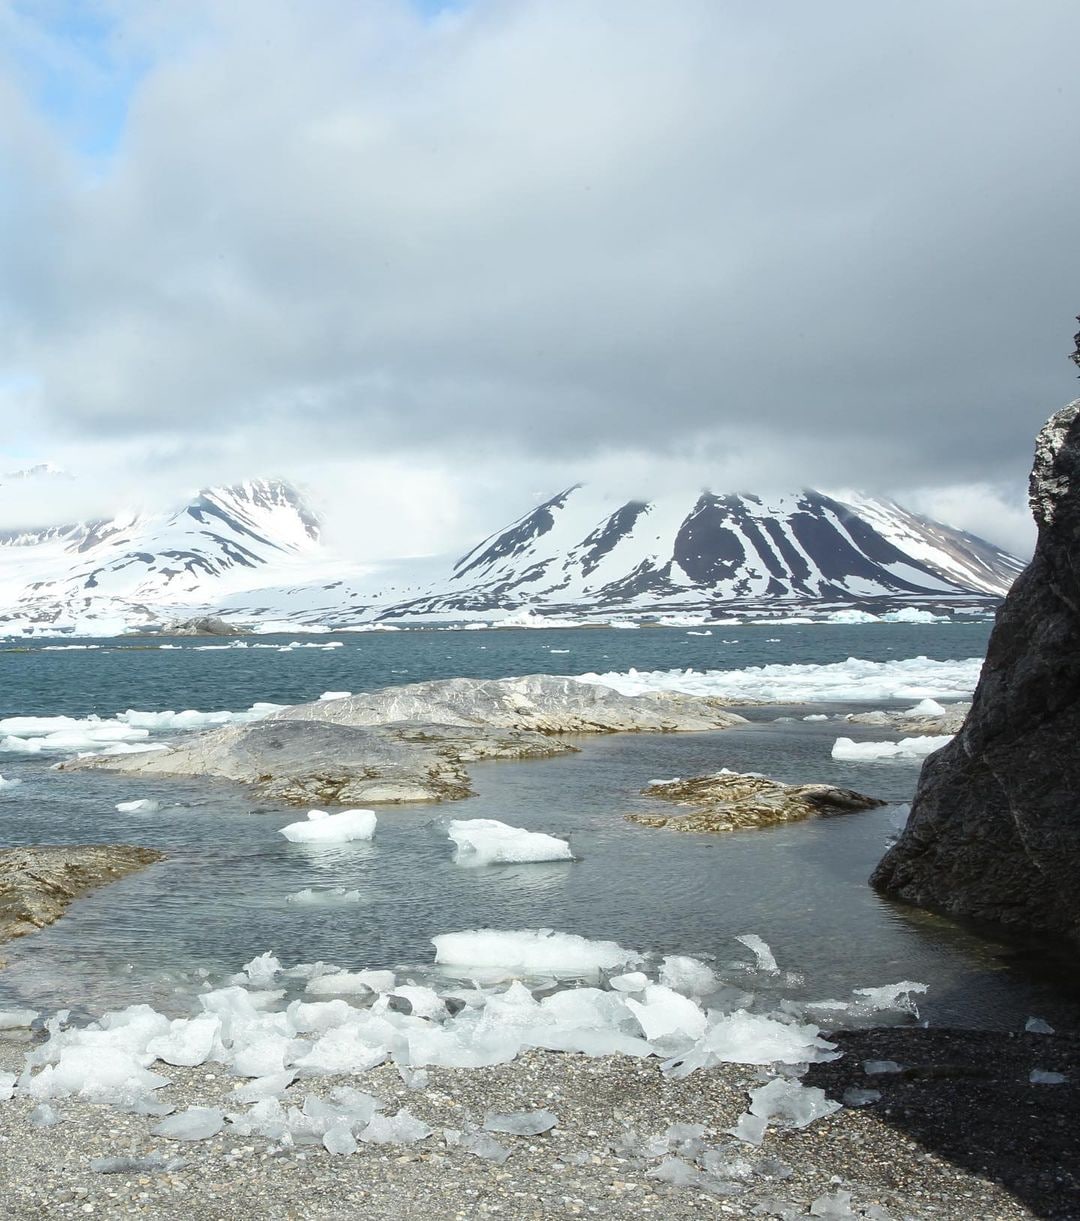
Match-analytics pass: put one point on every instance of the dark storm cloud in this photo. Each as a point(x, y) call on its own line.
point(558, 228)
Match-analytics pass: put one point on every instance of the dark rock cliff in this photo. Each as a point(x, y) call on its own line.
point(994, 830)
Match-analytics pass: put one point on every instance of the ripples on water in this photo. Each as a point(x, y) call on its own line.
point(222, 896)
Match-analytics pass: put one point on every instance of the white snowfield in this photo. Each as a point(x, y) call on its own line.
point(124, 733)
point(850, 681)
point(486, 841)
point(907, 748)
point(475, 1010)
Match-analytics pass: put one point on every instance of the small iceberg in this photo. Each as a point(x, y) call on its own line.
point(323, 828)
point(486, 841)
point(145, 805)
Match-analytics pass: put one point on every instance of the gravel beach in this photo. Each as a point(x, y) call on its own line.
point(960, 1132)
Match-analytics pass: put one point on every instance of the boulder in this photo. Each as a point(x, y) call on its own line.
point(732, 801)
point(204, 625)
point(994, 829)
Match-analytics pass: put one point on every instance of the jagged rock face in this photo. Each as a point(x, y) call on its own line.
point(994, 830)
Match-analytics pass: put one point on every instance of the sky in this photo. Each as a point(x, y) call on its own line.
point(437, 261)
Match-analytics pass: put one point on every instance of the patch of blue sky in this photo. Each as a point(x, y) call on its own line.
point(73, 65)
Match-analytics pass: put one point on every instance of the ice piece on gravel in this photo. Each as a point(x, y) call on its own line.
point(667, 1014)
point(424, 1002)
point(479, 1144)
point(144, 805)
point(749, 1128)
point(520, 1123)
point(196, 1123)
point(1033, 1025)
point(265, 1118)
point(323, 828)
point(413, 1078)
point(876, 1068)
point(153, 1163)
point(854, 1097)
point(7, 1086)
point(357, 1105)
point(400, 1129)
point(44, 1116)
point(791, 1100)
point(189, 1042)
point(751, 1038)
point(760, 949)
point(687, 975)
point(338, 1138)
point(271, 1086)
point(17, 1019)
point(773, 1168)
point(531, 951)
point(727, 1164)
point(486, 841)
point(678, 1173)
point(1042, 1076)
point(835, 1207)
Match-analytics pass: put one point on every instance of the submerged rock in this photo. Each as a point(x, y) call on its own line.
point(994, 829)
point(412, 743)
point(731, 801)
point(37, 883)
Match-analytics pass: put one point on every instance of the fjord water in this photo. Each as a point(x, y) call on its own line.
point(223, 893)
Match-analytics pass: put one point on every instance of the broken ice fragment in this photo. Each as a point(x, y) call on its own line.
point(854, 1097)
point(798, 1104)
point(44, 1116)
point(196, 1123)
point(1033, 1025)
point(323, 828)
point(875, 1068)
point(520, 1123)
point(1041, 1076)
point(760, 949)
point(16, 1019)
point(479, 1144)
point(338, 1138)
point(152, 1163)
point(836, 1207)
point(399, 1129)
point(749, 1128)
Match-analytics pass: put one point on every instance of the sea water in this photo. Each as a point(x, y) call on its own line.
point(232, 886)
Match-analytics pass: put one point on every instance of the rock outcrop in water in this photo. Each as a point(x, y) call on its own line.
point(37, 883)
point(412, 743)
point(994, 830)
point(730, 801)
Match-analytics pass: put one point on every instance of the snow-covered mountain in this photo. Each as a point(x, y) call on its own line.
point(575, 551)
point(136, 566)
point(252, 553)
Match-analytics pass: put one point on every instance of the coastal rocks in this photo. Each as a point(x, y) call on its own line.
point(730, 801)
point(203, 625)
point(411, 743)
point(994, 830)
point(37, 883)
point(922, 721)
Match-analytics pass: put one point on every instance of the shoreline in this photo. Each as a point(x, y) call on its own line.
point(963, 1104)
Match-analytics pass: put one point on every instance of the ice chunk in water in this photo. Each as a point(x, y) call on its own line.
point(400, 1129)
point(486, 841)
point(531, 951)
point(1041, 1076)
point(323, 896)
point(44, 1116)
point(479, 1144)
point(687, 975)
point(144, 805)
point(1033, 1025)
point(798, 1104)
point(424, 1002)
point(343, 983)
point(323, 828)
point(9, 784)
point(889, 996)
point(876, 1068)
point(196, 1123)
point(760, 949)
point(520, 1123)
point(16, 1019)
point(261, 970)
point(854, 1097)
point(633, 981)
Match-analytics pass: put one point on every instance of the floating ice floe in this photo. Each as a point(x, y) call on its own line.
point(849, 751)
point(125, 733)
point(531, 951)
point(851, 681)
point(144, 805)
point(323, 896)
point(8, 784)
point(324, 828)
point(486, 841)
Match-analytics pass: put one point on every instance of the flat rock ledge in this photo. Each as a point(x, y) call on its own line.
point(37, 883)
point(915, 725)
point(412, 743)
point(730, 801)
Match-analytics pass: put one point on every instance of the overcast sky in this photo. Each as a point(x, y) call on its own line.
point(437, 261)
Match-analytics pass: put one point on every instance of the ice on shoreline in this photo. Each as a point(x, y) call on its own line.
point(849, 751)
point(851, 681)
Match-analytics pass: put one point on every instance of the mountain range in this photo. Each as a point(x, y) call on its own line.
point(253, 553)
